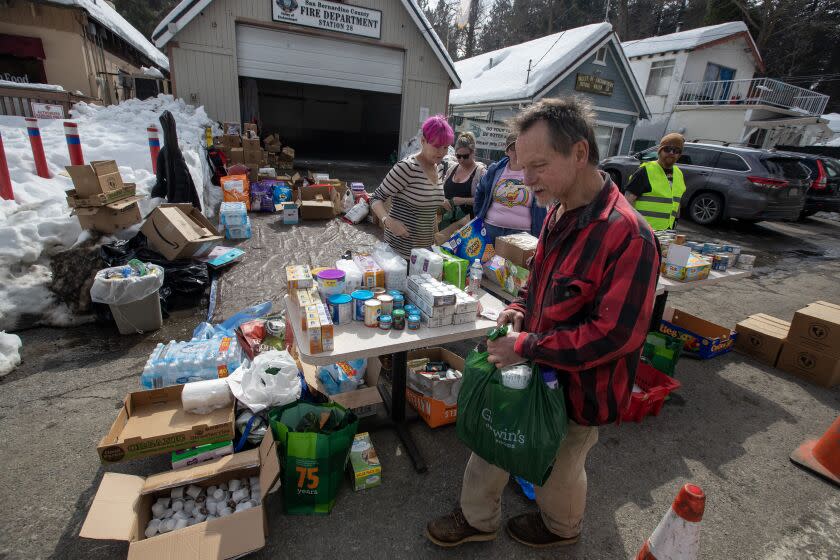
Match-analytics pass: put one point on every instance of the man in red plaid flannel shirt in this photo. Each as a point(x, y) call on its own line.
point(584, 312)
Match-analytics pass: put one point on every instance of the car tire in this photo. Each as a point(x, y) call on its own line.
point(615, 176)
point(706, 208)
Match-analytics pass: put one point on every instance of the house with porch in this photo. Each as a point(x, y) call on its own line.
point(705, 84)
point(586, 61)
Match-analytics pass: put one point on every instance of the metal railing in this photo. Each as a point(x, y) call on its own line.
point(17, 101)
point(758, 91)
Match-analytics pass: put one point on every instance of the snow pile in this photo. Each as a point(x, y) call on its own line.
point(685, 40)
point(110, 18)
point(501, 75)
point(151, 72)
point(9, 352)
point(38, 224)
point(45, 87)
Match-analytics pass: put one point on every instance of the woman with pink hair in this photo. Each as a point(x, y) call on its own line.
point(415, 187)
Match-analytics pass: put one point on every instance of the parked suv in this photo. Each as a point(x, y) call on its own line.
point(729, 182)
point(824, 192)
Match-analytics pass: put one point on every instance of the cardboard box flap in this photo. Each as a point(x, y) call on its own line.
point(824, 311)
point(202, 471)
point(269, 464)
point(104, 167)
point(228, 537)
point(764, 326)
point(112, 515)
point(123, 203)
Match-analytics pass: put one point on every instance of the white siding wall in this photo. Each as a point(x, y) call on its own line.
point(205, 58)
point(733, 54)
point(726, 125)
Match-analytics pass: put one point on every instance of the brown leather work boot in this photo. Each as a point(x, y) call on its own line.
point(452, 530)
point(530, 530)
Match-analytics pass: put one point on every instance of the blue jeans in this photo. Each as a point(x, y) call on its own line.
point(494, 231)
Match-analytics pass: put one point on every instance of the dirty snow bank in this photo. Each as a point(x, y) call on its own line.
point(38, 224)
point(9, 352)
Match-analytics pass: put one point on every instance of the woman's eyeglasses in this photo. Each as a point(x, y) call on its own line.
point(463, 156)
point(672, 150)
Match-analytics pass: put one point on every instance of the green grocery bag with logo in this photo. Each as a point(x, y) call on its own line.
point(518, 430)
point(313, 441)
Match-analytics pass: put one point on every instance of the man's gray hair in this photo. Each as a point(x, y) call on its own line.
point(569, 120)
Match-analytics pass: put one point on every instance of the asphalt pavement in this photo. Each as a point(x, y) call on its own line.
point(730, 429)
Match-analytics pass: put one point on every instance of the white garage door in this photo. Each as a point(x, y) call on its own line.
point(293, 57)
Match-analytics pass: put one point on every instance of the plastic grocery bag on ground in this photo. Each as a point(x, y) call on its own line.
point(313, 442)
point(227, 327)
point(111, 288)
point(518, 430)
point(471, 242)
point(270, 380)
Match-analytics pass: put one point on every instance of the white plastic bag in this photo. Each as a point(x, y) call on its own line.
point(121, 291)
point(256, 388)
point(352, 274)
point(348, 201)
point(395, 267)
point(358, 212)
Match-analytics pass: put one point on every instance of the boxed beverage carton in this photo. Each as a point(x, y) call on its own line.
point(298, 276)
point(701, 338)
point(122, 508)
point(290, 213)
point(179, 231)
point(495, 270)
point(761, 336)
point(372, 274)
point(97, 178)
point(153, 422)
point(817, 327)
point(809, 364)
point(364, 463)
point(517, 248)
point(112, 217)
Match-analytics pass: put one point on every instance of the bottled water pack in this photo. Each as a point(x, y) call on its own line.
point(196, 360)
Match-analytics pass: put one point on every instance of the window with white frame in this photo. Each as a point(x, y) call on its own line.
point(601, 56)
point(659, 78)
point(608, 139)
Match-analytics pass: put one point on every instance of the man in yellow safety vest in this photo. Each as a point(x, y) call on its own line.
point(656, 192)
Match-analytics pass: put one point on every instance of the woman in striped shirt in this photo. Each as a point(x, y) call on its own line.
point(415, 186)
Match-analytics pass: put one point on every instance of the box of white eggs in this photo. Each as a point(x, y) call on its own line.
point(214, 508)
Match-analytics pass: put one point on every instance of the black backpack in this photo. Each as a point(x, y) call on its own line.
point(218, 163)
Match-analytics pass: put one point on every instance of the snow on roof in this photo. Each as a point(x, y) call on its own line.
point(186, 10)
point(684, 40)
point(505, 78)
point(45, 87)
point(107, 16)
point(833, 121)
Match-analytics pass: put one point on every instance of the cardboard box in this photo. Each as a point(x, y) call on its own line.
point(365, 401)
point(434, 412)
point(364, 463)
point(111, 217)
point(154, 423)
point(299, 276)
point(101, 199)
point(290, 213)
point(251, 130)
point(817, 327)
point(684, 266)
point(121, 509)
point(318, 203)
point(237, 155)
point(515, 278)
point(517, 248)
point(179, 231)
point(761, 336)
point(701, 338)
point(100, 177)
point(203, 453)
point(232, 129)
point(443, 235)
point(440, 389)
point(813, 366)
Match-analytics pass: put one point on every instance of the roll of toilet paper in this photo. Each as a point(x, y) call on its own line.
point(201, 397)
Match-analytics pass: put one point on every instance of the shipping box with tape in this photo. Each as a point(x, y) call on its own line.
point(761, 336)
point(179, 231)
point(817, 327)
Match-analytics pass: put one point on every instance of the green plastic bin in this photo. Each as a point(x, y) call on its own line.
point(662, 352)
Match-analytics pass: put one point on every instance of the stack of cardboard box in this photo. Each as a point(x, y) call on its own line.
point(277, 155)
point(808, 347)
point(100, 199)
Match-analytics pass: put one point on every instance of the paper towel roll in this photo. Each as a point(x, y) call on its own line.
point(201, 397)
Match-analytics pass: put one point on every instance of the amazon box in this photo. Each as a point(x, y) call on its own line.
point(122, 508)
point(761, 336)
point(805, 362)
point(110, 218)
point(100, 177)
point(179, 231)
point(817, 327)
point(155, 423)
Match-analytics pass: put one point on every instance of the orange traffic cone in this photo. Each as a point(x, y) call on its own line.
point(677, 537)
point(822, 456)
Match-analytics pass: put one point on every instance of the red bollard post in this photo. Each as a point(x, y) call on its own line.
point(74, 143)
point(6, 191)
point(154, 146)
point(41, 166)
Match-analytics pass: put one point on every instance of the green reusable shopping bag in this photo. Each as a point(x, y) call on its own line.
point(518, 430)
point(312, 463)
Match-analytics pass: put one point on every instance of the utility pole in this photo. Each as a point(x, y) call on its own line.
point(607, 11)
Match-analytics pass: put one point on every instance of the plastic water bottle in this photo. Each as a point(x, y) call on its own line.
point(476, 272)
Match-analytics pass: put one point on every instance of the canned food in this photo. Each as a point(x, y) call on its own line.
point(378, 291)
point(720, 262)
point(274, 327)
point(385, 322)
point(679, 240)
point(387, 303)
point(330, 282)
point(373, 309)
point(411, 309)
point(359, 299)
point(413, 322)
point(341, 308)
point(398, 319)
